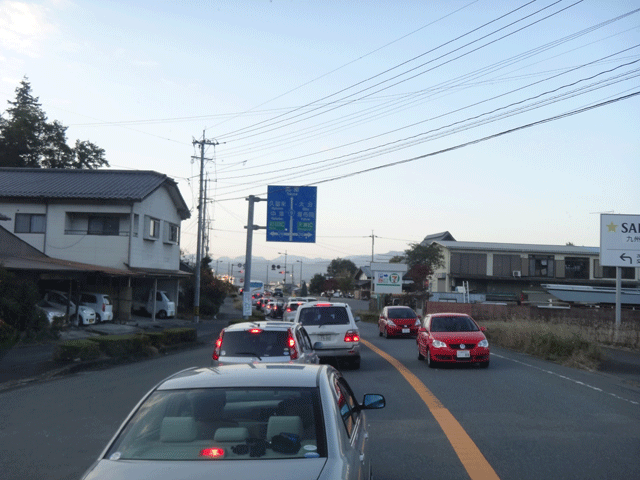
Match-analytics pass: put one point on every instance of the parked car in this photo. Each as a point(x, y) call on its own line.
point(267, 342)
point(334, 326)
point(242, 422)
point(52, 313)
point(79, 315)
point(101, 303)
point(164, 307)
point(290, 310)
point(397, 321)
point(452, 338)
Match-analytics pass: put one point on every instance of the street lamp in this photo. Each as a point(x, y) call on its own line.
point(285, 268)
point(300, 261)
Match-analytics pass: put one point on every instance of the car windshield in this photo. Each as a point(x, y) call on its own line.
point(401, 313)
point(324, 316)
point(231, 424)
point(261, 343)
point(453, 324)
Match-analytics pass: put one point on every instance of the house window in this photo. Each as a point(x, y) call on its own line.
point(627, 273)
point(29, 223)
point(541, 266)
point(468, 263)
point(104, 225)
point(152, 228)
point(576, 267)
point(171, 233)
point(505, 265)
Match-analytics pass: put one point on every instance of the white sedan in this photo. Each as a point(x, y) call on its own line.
point(242, 422)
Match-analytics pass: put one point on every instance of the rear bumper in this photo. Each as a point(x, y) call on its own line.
point(397, 331)
point(353, 351)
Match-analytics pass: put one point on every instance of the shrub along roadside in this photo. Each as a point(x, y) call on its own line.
point(552, 342)
point(123, 346)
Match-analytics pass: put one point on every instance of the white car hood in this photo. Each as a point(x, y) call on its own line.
point(286, 469)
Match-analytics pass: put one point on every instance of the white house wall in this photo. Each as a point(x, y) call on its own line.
point(66, 236)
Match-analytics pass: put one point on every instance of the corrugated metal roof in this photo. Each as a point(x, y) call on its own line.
point(76, 184)
point(520, 247)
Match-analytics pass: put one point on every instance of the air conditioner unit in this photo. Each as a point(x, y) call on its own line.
point(517, 273)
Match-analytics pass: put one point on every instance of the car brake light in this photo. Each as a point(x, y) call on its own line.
point(293, 353)
point(212, 452)
point(323, 304)
point(289, 309)
point(103, 307)
point(216, 349)
point(255, 330)
point(352, 336)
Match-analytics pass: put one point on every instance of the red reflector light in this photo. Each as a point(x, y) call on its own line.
point(255, 330)
point(212, 452)
point(323, 304)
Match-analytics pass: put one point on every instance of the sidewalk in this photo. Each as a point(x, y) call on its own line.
point(25, 363)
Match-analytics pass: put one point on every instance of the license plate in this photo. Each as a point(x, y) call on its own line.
point(324, 338)
point(463, 354)
point(406, 330)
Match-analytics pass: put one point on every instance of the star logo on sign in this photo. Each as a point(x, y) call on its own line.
point(612, 227)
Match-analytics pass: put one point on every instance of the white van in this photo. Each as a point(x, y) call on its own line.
point(101, 303)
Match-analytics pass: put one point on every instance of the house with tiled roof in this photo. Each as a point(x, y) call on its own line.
point(127, 221)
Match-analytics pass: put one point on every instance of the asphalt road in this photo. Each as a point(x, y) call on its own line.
point(529, 419)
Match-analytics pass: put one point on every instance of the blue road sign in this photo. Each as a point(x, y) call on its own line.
point(291, 214)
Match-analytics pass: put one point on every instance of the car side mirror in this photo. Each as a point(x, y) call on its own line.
point(422, 330)
point(483, 329)
point(372, 401)
point(357, 319)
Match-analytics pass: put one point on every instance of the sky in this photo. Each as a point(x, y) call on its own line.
point(498, 121)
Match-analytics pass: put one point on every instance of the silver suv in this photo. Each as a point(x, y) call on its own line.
point(264, 342)
point(332, 328)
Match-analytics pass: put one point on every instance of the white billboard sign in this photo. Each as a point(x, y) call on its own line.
point(619, 240)
point(387, 277)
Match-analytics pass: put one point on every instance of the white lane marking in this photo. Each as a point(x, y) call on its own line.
point(564, 377)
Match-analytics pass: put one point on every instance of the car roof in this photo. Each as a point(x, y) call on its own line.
point(245, 375)
point(321, 303)
point(265, 325)
point(451, 314)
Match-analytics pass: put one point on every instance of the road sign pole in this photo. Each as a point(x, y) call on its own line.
point(616, 328)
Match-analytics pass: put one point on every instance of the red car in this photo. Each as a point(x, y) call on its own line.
point(452, 338)
point(398, 320)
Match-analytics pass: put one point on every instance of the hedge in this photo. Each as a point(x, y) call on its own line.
point(83, 349)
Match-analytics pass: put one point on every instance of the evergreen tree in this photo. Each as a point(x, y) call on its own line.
point(28, 140)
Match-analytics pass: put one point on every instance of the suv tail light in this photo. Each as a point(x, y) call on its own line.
point(351, 336)
point(291, 343)
point(216, 349)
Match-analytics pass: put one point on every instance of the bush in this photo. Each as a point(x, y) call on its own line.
point(8, 335)
point(71, 350)
point(369, 317)
point(173, 336)
point(119, 346)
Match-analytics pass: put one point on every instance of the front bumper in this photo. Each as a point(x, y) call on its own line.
point(449, 355)
point(398, 330)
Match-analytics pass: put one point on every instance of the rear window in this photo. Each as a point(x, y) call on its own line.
point(401, 313)
point(249, 424)
point(263, 344)
point(324, 316)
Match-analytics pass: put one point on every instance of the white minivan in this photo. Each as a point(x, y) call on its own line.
point(101, 303)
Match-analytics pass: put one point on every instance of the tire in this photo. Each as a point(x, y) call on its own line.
point(431, 363)
point(379, 331)
point(98, 319)
point(162, 314)
point(420, 356)
point(355, 363)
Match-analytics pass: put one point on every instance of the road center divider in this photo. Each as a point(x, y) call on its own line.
point(472, 459)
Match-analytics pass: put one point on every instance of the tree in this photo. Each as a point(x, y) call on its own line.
point(340, 268)
point(28, 140)
point(212, 290)
point(303, 290)
point(397, 259)
point(316, 283)
point(422, 261)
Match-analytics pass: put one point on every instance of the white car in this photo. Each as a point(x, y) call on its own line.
point(290, 310)
point(52, 313)
point(265, 342)
point(244, 422)
point(334, 327)
point(79, 315)
point(101, 303)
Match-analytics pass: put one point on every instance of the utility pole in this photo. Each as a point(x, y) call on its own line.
point(372, 240)
point(246, 291)
point(196, 301)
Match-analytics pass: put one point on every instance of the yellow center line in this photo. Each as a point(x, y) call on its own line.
point(472, 459)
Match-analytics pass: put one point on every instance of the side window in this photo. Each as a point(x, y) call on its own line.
point(299, 339)
point(306, 340)
point(347, 404)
